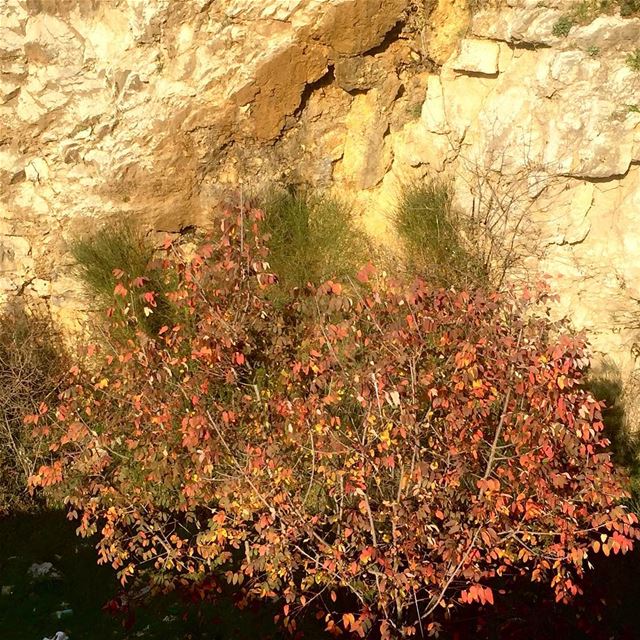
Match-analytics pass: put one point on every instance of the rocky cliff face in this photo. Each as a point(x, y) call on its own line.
point(154, 110)
point(131, 108)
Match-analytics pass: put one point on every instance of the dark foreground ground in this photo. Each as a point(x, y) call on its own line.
point(33, 609)
point(73, 601)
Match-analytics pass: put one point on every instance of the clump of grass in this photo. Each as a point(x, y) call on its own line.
point(415, 110)
point(33, 362)
point(633, 60)
point(605, 383)
point(121, 253)
point(431, 231)
point(311, 238)
point(629, 7)
point(563, 26)
point(115, 246)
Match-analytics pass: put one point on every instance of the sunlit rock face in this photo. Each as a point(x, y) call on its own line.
point(132, 108)
point(552, 125)
point(157, 111)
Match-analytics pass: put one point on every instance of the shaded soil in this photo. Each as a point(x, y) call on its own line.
point(33, 610)
point(74, 604)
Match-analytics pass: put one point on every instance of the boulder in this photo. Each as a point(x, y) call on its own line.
point(477, 56)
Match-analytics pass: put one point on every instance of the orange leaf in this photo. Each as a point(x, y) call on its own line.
point(348, 620)
point(488, 594)
point(120, 290)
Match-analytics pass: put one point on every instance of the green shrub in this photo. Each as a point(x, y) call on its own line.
point(431, 231)
point(582, 11)
point(633, 60)
point(415, 110)
point(563, 26)
point(311, 238)
point(606, 385)
point(629, 7)
point(121, 252)
point(32, 366)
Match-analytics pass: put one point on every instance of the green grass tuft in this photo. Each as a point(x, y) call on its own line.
point(629, 8)
point(116, 246)
point(562, 27)
point(605, 383)
point(311, 238)
point(122, 246)
point(633, 60)
point(431, 231)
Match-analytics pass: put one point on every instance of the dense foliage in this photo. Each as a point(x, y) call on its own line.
point(434, 242)
point(32, 366)
point(375, 453)
point(117, 252)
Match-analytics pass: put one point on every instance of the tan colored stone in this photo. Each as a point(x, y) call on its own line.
point(366, 156)
point(357, 26)
point(477, 56)
point(15, 256)
point(358, 73)
point(464, 98)
point(11, 44)
point(607, 33)
point(40, 288)
point(416, 146)
point(433, 110)
point(37, 170)
point(520, 24)
point(277, 90)
point(444, 27)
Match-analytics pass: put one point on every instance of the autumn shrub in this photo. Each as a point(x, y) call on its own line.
point(32, 366)
point(311, 237)
point(121, 251)
point(432, 233)
point(380, 458)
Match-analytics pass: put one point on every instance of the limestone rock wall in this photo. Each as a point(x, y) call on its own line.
point(155, 109)
point(129, 108)
point(544, 131)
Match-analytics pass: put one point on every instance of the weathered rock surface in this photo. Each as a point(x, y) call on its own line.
point(130, 108)
point(152, 110)
point(477, 56)
point(549, 129)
